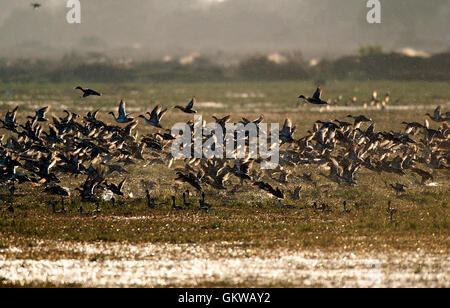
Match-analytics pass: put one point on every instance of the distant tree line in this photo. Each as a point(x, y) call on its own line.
point(370, 64)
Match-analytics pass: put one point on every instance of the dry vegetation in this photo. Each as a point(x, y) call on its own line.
point(247, 218)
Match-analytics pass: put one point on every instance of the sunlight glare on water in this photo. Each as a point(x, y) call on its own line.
point(184, 265)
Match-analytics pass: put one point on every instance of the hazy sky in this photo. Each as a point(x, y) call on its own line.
point(155, 28)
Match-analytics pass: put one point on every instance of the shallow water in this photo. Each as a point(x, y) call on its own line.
point(127, 265)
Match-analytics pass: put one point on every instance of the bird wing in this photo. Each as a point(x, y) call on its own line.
point(226, 119)
point(370, 129)
point(286, 128)
point(245, 121)
point(51, 164)
point(13, 114)
point(335, 165)
point(155, 112)
point(191, 103)
point(122, 109)
point(259, 120)
point(161, 114)
point(121, 183)
point(93, 92)
point(318, 93)
point(43, 110)
point(437, 112)
point(246, 166)
point(278, 193)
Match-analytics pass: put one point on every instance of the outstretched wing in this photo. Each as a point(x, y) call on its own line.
point(286, 131)
point(161, 114)
point(43, 110)
point(190, 105)
point(437, 112)
point(317, 94)
point(13, 113)
point(122, 109)
point(259, 120)
point(121, 183)
point(155, 112)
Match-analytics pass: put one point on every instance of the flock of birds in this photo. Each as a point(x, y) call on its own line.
point(380, 103)
point(88, 147)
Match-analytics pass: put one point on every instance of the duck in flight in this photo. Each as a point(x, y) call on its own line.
point(189, 106)
point(155, 117)
point(40, 114)
point(116, 189)
point(123, 117)
point(315, 99)
point(10, 120)
point(88, 92)
point(287, 133)
point(269, 189)
point(438, 116)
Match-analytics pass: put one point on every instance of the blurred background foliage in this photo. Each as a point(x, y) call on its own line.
point(369, 63)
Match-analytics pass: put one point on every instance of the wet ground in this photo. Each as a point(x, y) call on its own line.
point(150, 265)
